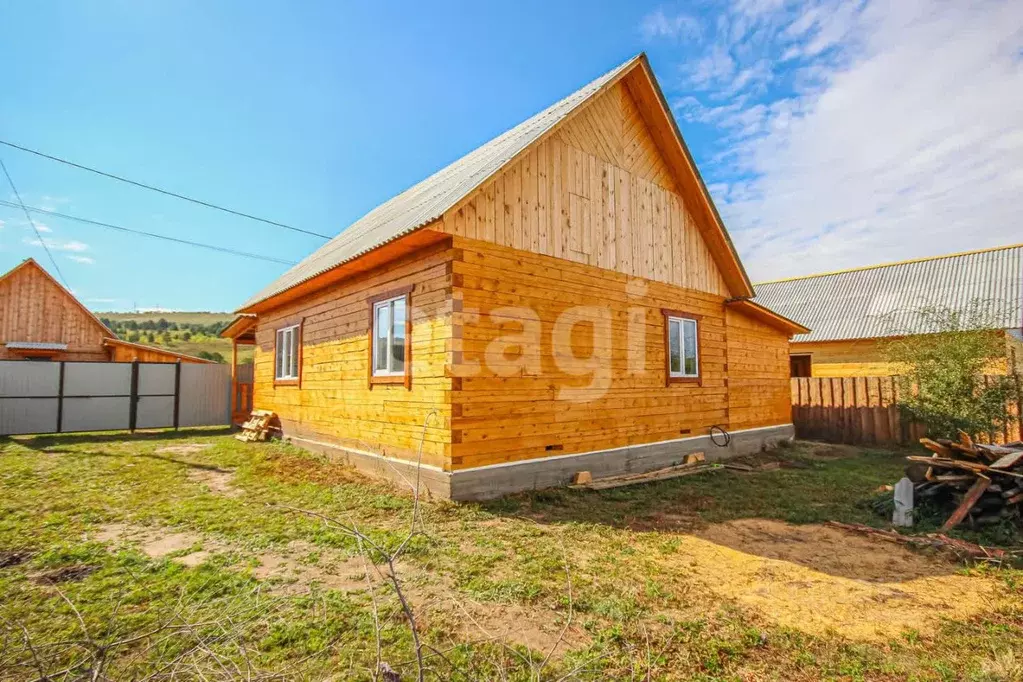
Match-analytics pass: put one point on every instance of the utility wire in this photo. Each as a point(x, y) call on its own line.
point(162, 191)
point(222, 249)
point(42, 242)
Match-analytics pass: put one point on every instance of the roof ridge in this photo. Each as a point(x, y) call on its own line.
point(877, 266)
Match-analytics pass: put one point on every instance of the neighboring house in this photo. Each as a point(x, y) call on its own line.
point(563, 298)
point(853, 312)
point(41, 320)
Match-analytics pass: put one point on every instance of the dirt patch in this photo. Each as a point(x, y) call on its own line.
point(826, 451)
point(817, 579)
point(183, 449)
point(296, 469)
point(289, 570)
point(65, 574)
point(13, 558)
point(436, 603)
point(217, 481)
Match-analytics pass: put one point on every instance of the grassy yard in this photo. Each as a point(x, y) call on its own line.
point(163, 555)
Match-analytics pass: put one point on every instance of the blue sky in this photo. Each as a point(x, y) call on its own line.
point(832, 134)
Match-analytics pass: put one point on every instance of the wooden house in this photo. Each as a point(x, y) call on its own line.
point(854, 312)
point(41, 320)
point(563, 298)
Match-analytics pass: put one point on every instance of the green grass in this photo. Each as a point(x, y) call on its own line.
point(638, 604)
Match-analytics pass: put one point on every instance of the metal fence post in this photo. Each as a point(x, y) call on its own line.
point(177, 393)
point(60, 398)
point(133, 401)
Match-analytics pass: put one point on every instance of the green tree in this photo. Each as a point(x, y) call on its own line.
point(133, 337)
point(165, 338)
point(185, 336)
point(943, 380)
point(150, 337)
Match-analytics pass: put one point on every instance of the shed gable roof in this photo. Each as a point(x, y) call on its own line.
point(427, 201)
point(881, 300)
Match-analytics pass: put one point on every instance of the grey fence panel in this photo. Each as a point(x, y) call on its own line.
point(28, 415)
point(205, 398)
point(22, 379)
point(154, 411)
point(96, 414)
point(156, 379)
point(97, 378)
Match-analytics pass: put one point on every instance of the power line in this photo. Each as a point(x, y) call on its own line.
point(223, 249)
point(200, 202)
point(42, 242)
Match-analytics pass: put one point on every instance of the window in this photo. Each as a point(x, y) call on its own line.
point(287, 349)
point(389, 343)
point(682, 347)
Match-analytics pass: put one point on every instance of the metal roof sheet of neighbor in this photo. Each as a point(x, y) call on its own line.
point(427, 201)
point(881, 300)
point(35, 345)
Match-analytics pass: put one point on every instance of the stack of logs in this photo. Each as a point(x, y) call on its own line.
point(986, 481)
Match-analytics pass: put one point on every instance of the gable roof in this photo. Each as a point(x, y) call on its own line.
point(427, 201)
point(31, 263)
point(875, 301)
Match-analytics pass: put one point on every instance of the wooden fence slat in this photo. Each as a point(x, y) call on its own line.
point(865, 410)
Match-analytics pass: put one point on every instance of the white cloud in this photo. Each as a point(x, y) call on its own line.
point(901, 134)
point(84, 260)
point(43, 227)
point(102, 300)
point(678, 27)
point(58, 245)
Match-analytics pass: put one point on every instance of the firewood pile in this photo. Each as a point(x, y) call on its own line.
point(983, 482)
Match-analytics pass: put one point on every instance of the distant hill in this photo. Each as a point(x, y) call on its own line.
point(191, 333)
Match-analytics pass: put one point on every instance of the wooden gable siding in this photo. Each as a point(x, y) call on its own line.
point(596, 192)
point(758, 373)
point(129, 352)
point(35, 308)
point(334, 402)
point(505, 412)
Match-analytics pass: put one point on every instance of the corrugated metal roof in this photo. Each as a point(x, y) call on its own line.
point(881, 300)
point(427, 201)
point(35, 345)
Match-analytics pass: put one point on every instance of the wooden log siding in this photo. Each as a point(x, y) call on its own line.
point(510, 412)
point(858, 410)
point(335, 404)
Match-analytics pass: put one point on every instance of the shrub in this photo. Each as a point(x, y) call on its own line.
point(943, 380)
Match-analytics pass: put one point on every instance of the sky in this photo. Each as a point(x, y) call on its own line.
point(831, 134)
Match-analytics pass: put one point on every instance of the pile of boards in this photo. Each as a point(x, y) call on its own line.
point(257, 427)
point(985, 482)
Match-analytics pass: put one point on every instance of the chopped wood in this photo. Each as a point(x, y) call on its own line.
point(966, 505)
point(1008, 461)
point(735, 466)
point(257, 427)
point(582, 478)
point(936, 448)
point(970, 477)
point(695, 458)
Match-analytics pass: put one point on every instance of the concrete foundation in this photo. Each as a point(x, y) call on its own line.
point(481, 483)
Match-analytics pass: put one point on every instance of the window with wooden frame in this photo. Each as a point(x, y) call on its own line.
point(288, 355)
point(682, 347)
point(390, 335)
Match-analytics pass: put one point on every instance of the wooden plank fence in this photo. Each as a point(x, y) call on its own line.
point(857, 410)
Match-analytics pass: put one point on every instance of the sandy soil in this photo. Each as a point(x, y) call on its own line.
point(817, 578)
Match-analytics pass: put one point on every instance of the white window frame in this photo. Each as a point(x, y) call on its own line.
point(682, 374)
point(389, 304)
point(286, 353)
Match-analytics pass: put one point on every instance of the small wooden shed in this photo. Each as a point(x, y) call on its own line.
point(41, 320)
point(563, 298)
